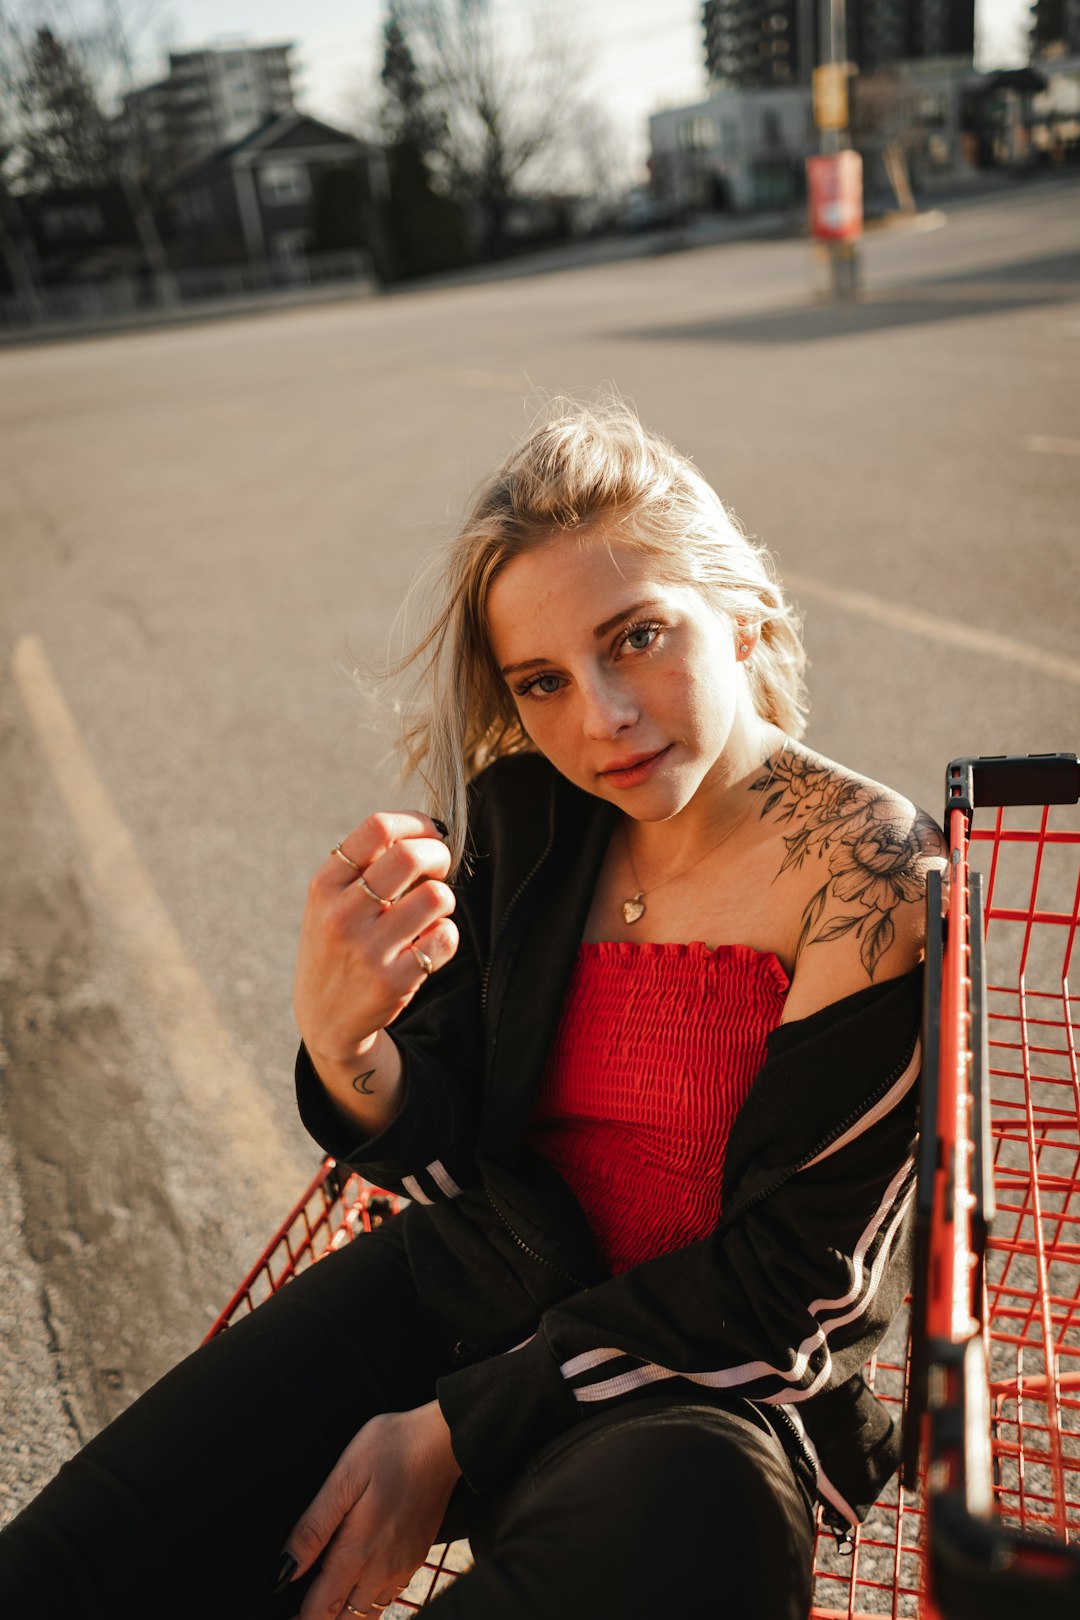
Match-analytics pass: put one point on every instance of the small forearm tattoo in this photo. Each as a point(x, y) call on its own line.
point(361, 1084)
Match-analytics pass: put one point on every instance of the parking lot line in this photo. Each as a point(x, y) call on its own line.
point(1044, 445)
point(219, 1085)
point(964, 637)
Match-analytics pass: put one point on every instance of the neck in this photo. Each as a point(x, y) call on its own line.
point(717, 809)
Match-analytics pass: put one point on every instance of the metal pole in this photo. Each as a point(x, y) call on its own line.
point(843, 256)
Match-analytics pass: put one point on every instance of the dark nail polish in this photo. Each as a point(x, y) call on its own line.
point(286, 1570)
point(441, 825)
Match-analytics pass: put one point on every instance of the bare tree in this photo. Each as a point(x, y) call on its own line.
point(601, 152)
point(502, 111)
point(120, 26)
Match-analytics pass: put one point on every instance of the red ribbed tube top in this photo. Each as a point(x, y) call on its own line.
point(655, 1053)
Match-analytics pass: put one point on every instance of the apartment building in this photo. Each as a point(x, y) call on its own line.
point(210, 98)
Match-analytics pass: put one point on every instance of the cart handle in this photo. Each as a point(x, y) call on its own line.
point(1007, 779)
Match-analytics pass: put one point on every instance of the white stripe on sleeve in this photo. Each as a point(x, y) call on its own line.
point(415, 1190)
point(751, 1371)
point(442, 1178)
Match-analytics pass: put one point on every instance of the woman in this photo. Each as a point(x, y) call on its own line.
point(646, 1071)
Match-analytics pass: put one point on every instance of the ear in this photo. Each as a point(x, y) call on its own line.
point(747, 637)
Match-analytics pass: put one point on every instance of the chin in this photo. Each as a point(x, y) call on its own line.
point(652, 802)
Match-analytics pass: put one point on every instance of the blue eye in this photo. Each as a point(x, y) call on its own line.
point(536, 686)
point(640, 637)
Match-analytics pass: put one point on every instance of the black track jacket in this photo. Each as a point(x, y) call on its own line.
point(781, 1305)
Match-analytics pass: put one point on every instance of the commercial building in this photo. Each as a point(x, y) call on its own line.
point(762, 44)
point(759, 44)
point(1055, 28)
point(745, 147)
point(883, 32)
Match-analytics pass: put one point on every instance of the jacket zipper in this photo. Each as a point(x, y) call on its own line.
point(766, 1193)
point(837, 1131)
point(532, 1253)
point(525, 1248)
point(511, 903)
point(843, 1532)
point(789, 1423)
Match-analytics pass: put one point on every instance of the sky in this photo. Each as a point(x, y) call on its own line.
point(647, 54)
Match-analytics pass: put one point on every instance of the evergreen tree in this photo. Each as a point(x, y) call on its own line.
point(422, 230)
point(406, 114)
point(63, 138)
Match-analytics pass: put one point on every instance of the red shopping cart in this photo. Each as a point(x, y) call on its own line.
point(988, 1518)
point(995, 1361)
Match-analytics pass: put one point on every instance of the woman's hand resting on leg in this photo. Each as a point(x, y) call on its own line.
point(377, 1514)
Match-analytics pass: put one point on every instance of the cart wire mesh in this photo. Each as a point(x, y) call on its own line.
point(1031, 1316)
point(1031, 1320)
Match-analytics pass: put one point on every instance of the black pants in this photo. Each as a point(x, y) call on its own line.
point(180, 1508)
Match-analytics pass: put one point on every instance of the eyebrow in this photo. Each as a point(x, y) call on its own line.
point(600, 632)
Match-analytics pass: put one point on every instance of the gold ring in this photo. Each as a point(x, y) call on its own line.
point(362, 883)
point(337, 850)
point(423, 960)
point(351, 1610)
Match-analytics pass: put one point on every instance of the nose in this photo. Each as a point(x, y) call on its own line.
point(608, 710)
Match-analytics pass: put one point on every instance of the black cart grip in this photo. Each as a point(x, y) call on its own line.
point(1005, 779)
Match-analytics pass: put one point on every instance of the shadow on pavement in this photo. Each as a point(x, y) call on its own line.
point(1024, 284)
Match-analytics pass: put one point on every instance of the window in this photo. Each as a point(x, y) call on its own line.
point(195, 207)
point(71, 219)
point(291, 246)
point(284, 183)
point(697, 134)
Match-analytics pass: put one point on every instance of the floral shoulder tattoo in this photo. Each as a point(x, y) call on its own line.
point(872, 854)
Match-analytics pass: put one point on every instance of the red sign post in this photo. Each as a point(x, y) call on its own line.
point(834, 187)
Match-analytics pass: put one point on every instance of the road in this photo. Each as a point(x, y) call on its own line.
point(206, 528)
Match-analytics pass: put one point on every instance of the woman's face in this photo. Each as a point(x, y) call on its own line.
point(630, 686)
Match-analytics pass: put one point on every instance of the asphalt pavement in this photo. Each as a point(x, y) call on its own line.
point(206, 528)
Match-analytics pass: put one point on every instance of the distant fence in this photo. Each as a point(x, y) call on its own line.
point(88, 302)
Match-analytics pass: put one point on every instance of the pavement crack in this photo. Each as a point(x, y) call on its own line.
point(68, 1398)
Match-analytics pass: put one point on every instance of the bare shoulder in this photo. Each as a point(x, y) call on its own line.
point(853, 855)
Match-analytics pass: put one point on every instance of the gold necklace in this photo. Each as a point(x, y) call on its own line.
point(633, 909)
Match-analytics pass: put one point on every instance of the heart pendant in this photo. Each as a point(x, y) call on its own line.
point(633, 910)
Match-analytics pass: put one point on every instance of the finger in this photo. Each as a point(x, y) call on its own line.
point(408, 971)
point(430, 952)
point(352, 1568)
point(317, 1525)
point(374, 836)
point(356, 1601)
point(413, 915)
point(407, 863)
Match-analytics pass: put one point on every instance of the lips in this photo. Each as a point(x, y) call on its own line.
point(635, 765)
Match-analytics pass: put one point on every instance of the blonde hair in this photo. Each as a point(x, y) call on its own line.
point(581, 466)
